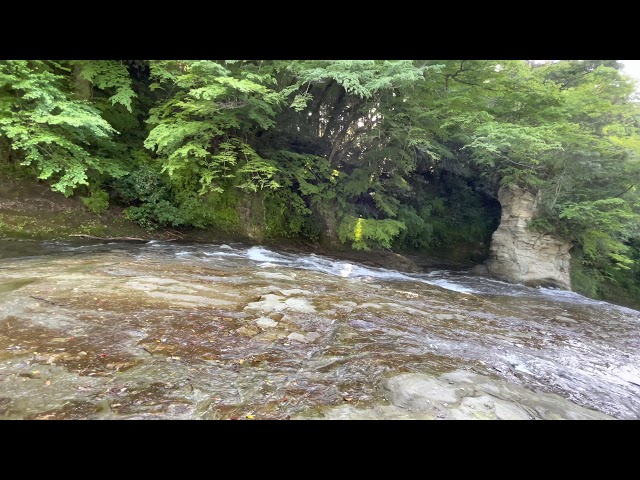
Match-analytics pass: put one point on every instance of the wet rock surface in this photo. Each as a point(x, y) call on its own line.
point(461, 395)
point(194, 331)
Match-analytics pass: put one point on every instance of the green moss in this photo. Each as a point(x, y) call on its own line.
point(46, 226)
point(11, 285)
point(42, 227)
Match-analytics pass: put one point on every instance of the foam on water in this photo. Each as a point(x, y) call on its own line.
point(317, 263)
point(223, 254)
point(346, 269)
point(261, 254)
point(459, 282)
point(516, 363)
point(451, 286)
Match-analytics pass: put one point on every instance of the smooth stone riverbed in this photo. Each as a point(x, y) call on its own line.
point(202, 331)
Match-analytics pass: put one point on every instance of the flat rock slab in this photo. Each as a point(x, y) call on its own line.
point(297, 337)
point(275, 276)
point(271, 302)
point(462, 395)
point(295, 291)
point(265, 322)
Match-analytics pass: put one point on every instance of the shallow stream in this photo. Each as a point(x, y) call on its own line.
point(129, 330)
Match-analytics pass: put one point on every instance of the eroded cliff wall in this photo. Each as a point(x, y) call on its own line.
point(519, 255)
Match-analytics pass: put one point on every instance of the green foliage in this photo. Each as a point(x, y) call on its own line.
point(300, 101)
point(597, 246)
point(160, 205)
point(313, 227)
point(97, 202)
point(149, 190)
point(609, 214)
point(419, 232)
point(198, 130)
point(364, 78)
point(153, 215)
point(54, 134)
point(217, 210)
point(621, 286)
point(601, 227)
point(541, 225)
point(109, 75)
point(585, 280)
point(285, 214)
point(367, 233)
point(213, 210)
point(257, 175)
point(447, 212)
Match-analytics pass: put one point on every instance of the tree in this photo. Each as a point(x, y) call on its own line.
point(63, 139)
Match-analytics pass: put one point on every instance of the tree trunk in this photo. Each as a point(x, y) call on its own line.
point(327, 210)
point(82, 87)
point(252, 214)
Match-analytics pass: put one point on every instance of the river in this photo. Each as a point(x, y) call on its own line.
point(135, 330)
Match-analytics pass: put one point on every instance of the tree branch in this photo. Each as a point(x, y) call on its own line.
point(625, 191)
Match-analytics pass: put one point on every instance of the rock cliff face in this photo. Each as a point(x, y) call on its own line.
point(518, 255)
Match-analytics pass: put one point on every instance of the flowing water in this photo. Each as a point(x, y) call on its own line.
point(127, 330)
